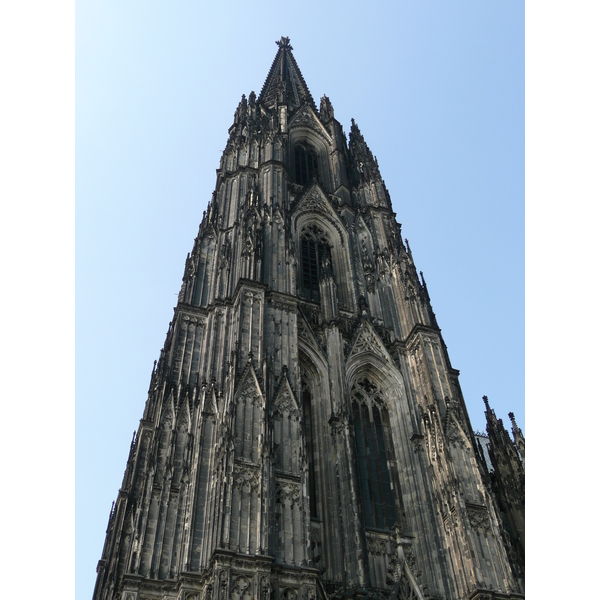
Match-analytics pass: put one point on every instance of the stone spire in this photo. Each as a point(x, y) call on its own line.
point(364, 173)
point(518, 436)
point(365, 164)
point(508, 484)
point(284, 83)
point(304, 434)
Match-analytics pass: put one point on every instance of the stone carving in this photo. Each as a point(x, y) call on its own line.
point(315, 232)
point(377, 547)
point(241, 589)
point(265, 588)
point(289, 594)
point(226, 254)
point(246, 476)
point(312, 330)
point(339, 423)
point(316, 204)
point(315, 544)
point(283, 306)
point(223, 585)
point(243, 564)
point(368, 341)
point(287, 491)
point(367, 266)
point(326, 109)
point(454, 434)
point(249, 392)
point(432, 340)
point(479, 518)
point(418, 442)
point(285, 403)
point(306, 119)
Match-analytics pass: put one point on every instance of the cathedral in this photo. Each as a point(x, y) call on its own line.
point(305, 436)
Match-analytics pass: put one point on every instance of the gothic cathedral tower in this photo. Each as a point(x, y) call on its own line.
point(305, 435)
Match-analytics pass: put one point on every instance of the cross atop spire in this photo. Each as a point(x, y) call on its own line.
point(284, 83)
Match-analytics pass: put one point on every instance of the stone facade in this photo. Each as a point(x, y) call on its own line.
point(305, 435)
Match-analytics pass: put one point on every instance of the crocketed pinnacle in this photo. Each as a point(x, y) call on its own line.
point(365, 165)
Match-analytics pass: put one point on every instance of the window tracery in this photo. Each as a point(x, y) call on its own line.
point(309, 437)
point(306, 161)
point(315, 254)
point(374, 452)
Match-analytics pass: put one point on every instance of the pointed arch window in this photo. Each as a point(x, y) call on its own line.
point(314, 252)
point(374, 452)
point(308, 435)
point(306, 161)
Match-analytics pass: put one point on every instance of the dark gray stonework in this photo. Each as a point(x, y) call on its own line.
point(305, 435)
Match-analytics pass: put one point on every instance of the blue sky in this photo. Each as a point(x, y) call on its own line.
point(437, 90)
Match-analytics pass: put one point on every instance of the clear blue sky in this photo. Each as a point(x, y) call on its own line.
point(437, 90)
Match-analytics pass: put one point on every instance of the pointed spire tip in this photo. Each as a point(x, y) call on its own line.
point(284, 42)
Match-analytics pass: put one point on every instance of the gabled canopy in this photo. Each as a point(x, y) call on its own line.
point(284, 83)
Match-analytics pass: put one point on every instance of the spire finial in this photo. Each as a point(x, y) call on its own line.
point(487, 404)
point(284, 42)
point(511, 416)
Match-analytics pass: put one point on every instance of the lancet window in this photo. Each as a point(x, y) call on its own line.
point(309, 437)
point(374, 453)
point(306, 161)
point(315, 254)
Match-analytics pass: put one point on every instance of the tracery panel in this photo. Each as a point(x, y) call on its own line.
point(306, 162)
point(315, 251)
point(374, 452)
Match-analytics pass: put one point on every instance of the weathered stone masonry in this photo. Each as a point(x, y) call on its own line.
point(305, 435)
